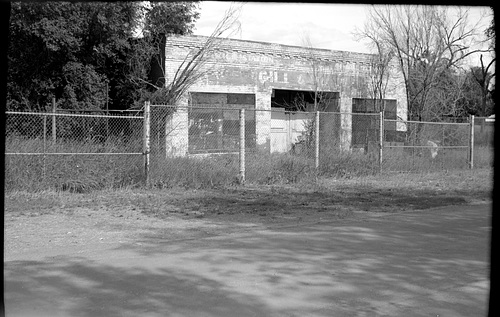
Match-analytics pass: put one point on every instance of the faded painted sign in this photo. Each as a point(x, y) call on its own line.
point(272, 77)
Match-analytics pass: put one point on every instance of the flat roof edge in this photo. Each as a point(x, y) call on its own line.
point(193, 39)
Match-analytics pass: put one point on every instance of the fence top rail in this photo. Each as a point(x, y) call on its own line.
point(72, 115)
point(428, 146)
point(263, 110)
point(373, 114)
point(73, 153)
point(98, 110)
point(426, 122)
point(200, 108)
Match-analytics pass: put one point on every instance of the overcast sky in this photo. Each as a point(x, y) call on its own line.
point(328, 25)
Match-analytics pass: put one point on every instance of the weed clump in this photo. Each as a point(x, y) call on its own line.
point(194, 172)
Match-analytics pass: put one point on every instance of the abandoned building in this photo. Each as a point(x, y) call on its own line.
point(270, 81)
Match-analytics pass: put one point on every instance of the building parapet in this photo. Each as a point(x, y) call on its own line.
point(273, 49)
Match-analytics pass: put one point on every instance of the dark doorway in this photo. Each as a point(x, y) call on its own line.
point(303, 100)
point(293, 120)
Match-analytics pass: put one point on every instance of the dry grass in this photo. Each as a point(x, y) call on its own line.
point(87, 173)
point(328, 198)
point(75, 173)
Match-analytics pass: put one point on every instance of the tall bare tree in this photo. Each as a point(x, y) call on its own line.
point(426, 40)
point(321, 81)
point(380, 69)
point(485, 73)
point(380, 72)
point(483, 78)
point(194, 66)
point(318, 72)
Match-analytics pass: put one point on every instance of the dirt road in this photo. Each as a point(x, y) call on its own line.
point(430, 262)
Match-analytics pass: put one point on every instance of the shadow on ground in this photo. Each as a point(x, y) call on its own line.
point(87, 288)
point(421, 264)
point(246, 203)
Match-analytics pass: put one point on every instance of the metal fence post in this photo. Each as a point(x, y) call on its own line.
point(471, 143)
point(54, 132)
point(381, 141)
point(146, 140)
point(44, 133)
point(316, 141)
point(107, 111)
point(44, 145)
point(242, 147)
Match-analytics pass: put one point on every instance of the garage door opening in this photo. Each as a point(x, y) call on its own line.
point(292, 119)
point(303, 100)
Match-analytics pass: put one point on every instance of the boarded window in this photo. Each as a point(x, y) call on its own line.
point(366, 128)
point(361, 105)
point(214, 122)
point(241, 99)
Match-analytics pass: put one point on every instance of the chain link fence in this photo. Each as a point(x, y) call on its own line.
point(210, 146)
point(71, 151)
point(271, 146)
point(483, 142)
point(195, 147)
point(484, 130)
point(417, 146)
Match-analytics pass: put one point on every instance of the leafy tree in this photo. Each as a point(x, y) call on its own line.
point(477, 98)
point(158, 21)
point(195, 64)
point(78, 52)
point(484, 75)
